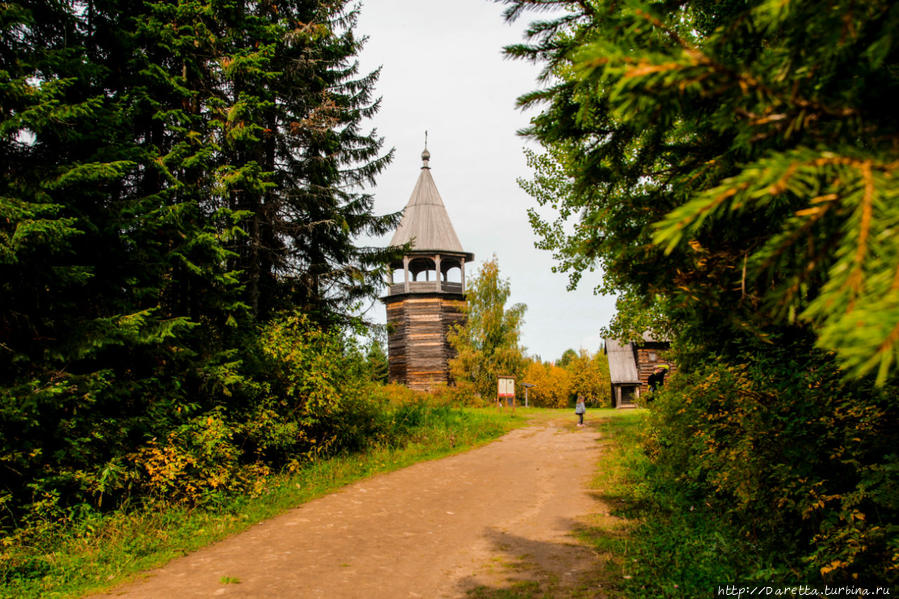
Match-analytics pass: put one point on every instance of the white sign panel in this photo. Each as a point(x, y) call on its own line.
point(506, 387)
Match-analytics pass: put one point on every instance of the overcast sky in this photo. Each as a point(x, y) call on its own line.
point(443, 71)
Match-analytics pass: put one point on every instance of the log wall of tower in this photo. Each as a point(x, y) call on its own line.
point(417, 345)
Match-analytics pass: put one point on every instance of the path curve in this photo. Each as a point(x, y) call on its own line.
point(434, 529)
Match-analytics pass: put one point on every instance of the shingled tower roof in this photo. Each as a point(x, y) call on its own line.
point(425, 222)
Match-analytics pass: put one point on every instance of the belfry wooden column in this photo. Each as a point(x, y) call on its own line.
point(421, 310)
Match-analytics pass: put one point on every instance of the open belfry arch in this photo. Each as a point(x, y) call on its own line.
point(426, 291)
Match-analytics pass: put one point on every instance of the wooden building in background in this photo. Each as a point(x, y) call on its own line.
point(426, 290)
point(630, 365)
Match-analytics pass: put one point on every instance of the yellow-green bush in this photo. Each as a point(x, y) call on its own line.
point(318, 384)
point(197, 464)
point(397, 395)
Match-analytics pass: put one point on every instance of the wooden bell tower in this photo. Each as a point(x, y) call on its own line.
point(426, 291)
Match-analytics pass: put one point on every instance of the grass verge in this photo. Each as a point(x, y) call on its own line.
point(655, 541)
point(102, 551)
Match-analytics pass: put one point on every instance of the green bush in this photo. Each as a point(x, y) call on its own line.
point(309, 398)
point(67, 435)
point(107, 439)
point(90, 450)
point(805, 465)
point(320, 392)
point(663, 542)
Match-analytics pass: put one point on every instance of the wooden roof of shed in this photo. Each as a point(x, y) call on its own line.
point(426, 223)
point(622, 363)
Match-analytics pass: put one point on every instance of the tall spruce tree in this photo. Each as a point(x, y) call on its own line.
point(173, 173)
point(294, 157)
point(734, 158)
point(114, 274)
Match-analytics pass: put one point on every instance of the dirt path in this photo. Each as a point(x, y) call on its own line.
point(471, 525)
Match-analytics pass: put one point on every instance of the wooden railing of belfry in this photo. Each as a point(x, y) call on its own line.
point(426, 287)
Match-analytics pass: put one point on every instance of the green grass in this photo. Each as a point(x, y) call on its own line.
point(656, 542)
point(99, 552)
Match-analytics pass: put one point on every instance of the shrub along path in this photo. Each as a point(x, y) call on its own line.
point(485, 523)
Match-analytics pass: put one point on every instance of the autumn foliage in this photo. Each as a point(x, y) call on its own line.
point(557, 386)
point(488, 344)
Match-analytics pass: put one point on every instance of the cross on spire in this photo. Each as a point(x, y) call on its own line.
point(425, 156)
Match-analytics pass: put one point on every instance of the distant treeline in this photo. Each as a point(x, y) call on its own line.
point(558, 384)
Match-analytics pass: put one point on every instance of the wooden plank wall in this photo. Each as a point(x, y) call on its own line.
point(396, 342)
point(418, 350)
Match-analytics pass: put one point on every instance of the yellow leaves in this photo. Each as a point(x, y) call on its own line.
point(164, 465)
point(813, 507)
point(194, 462)
point(553, 384)
point(834, 565)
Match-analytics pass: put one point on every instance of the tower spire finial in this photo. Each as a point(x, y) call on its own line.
point(425, 156)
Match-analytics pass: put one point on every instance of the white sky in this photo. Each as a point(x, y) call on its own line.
point(444, 72)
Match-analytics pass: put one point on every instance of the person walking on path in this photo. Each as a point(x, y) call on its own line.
point(579, 409)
